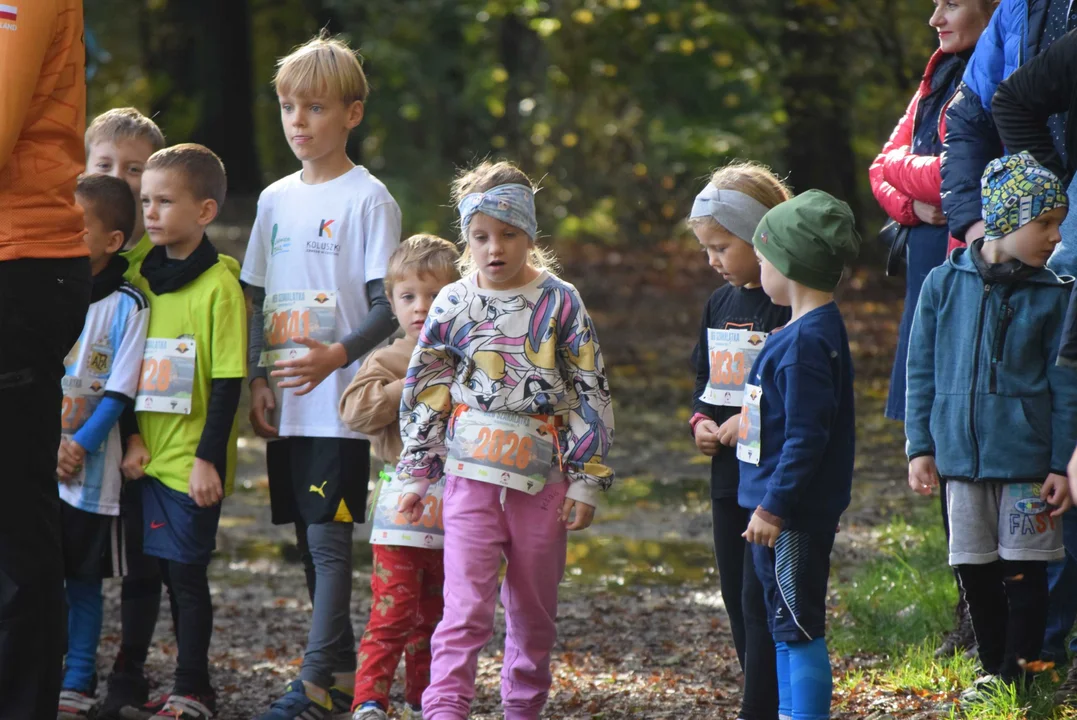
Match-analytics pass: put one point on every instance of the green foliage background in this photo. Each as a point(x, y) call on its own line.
point(620, 107)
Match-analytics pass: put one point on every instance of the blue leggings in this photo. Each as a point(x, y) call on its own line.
point(84, 617)
point(804, 680)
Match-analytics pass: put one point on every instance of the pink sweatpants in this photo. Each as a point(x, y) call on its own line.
point(477, 533)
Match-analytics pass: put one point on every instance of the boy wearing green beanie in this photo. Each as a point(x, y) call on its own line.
point(991, 415)
point(797, 438)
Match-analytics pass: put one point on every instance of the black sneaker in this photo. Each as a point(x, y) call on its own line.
point(126, 691)
point(1066, 693)
point(144, 711)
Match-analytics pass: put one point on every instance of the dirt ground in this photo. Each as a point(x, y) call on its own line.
point(643, 632)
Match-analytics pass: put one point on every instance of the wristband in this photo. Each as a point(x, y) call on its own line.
point(696, 419)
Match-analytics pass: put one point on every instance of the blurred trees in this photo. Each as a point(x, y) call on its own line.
point(619, 107)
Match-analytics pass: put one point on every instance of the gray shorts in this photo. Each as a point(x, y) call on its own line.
point(1008, 521)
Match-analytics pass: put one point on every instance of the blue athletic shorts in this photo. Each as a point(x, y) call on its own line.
point(794, 577)
point(175, 528)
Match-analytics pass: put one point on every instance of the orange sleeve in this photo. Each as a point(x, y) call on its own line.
point(23, 46)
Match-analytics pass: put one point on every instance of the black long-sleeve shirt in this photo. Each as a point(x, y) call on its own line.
point(729, 308)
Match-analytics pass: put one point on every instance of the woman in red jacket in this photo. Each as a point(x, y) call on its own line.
point(906, 181)
point(905, 175)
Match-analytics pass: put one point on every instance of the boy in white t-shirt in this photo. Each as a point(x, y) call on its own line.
point(315, 265)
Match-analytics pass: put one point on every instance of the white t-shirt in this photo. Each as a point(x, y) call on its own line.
point(333, 237)
point(106, 360)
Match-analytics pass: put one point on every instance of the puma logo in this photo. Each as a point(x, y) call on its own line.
point(320, 489)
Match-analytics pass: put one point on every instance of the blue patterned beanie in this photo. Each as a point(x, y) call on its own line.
point(1015, 190)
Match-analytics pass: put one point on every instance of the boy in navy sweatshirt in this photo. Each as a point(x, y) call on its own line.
point(989, 412)
point(797, 437)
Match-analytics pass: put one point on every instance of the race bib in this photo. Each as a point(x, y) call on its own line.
point(731, 354)
point(748, 440)
point(298, 313)
point(389, 527)
point(506, 449)
point(79, 403)
point(167, 376)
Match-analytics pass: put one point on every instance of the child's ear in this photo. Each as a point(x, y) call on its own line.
point(116, 241)
point(355, 114)
point(207, 213)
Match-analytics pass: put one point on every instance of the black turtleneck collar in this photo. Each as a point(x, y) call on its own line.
point(1011, 271)
point(165, 275)
point(109, 279)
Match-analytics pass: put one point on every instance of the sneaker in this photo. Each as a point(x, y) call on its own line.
point(295, 704)
point(962, 639)
point(1066, 693)
point(75, 705)
point(126, 691)
point(369, 711)
point(188, 707)
point(984, 688)
point(412, 712)
point(342, 702)
point(144, 711)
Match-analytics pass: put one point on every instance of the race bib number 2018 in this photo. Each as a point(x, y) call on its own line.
point(297, 313)
point(731, 354)
point(167, 380)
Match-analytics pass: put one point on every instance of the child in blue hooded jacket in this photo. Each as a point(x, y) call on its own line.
point(989, 411)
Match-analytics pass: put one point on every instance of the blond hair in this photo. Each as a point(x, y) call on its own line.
point(485, 176)
point(323, 66)
point(123, 124)
point(202, 171)
point(420, 255)
point(753, 179)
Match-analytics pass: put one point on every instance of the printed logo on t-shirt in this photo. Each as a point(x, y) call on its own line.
point(324, 230)
point(100, 362)
point(324, 245)
point(279, 245)
point(9, 15)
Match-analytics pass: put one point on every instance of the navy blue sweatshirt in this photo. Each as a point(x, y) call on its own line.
point(808, 430)
point(729, 308)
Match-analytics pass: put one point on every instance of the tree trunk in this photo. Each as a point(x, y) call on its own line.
point(818, 98)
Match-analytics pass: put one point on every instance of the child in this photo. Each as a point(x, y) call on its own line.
point(736, 319)
point(101, 379)
point(406, 580)
point(506, 386)
point(192, 375)
point(317, 257)
point(796, 438)
point(118, 143)
point(990, 412)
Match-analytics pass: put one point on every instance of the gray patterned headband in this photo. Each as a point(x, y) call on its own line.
point(735, 211)
point(513, 204)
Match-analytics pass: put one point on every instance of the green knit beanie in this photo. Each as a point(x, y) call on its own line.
point(808, 239)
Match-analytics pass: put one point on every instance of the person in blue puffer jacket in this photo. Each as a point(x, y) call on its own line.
point(991, 413)
point(1019, 31)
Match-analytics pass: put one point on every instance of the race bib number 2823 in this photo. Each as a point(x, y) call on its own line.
point(167, 381)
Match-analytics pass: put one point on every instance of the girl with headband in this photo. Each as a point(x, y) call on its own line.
point(735, 324)
point(506, 396)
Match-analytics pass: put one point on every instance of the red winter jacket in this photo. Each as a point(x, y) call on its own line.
point(897, 176)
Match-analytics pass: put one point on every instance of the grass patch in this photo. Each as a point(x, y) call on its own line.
point(895, 608)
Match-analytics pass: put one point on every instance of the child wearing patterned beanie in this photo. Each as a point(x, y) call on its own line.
point(990, 413)
point(796, 439)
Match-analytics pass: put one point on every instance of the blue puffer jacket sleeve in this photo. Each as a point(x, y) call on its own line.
point(971, 142)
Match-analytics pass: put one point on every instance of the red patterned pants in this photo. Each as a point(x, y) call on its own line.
point(407, 606)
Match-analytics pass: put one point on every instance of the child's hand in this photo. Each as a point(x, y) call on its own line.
point(761, 532)
point(69, 459)
point(312, 368)
point(706, 434)
point(1072, 472)
point(411, 507)
point(584, 513)
point(923, 475)
point(1056, 491)
point(727, 434)
point(135, 459)
point(262, 404)
point(204, 485)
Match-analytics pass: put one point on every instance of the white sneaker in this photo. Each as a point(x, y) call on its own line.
point(370, 713)
point(411, 713)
